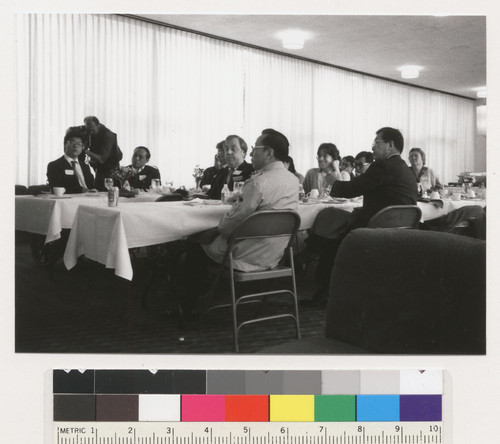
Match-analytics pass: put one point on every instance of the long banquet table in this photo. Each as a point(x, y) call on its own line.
point(48, 215)
point(105, 234)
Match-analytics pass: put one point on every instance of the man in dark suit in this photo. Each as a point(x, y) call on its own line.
point(387, 181)
point(143, 174)
point(237, 169)
point(67, 171)
point(103, 150)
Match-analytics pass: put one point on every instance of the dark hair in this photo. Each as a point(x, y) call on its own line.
point(277, 141)
point(148, 153)
point(368, 155)
point(291, 165)
point(349, 159)
point(393, 134)
point(220, 145)
point(243, 144)
point(331, 149)
point(75, 131)
point(418, 150)
point(93, 118)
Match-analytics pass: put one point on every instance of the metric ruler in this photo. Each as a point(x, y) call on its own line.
point(248, 433)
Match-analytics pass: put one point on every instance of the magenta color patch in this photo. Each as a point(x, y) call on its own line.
point(203, 408)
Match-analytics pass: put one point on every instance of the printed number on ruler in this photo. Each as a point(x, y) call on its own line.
point(248, 433)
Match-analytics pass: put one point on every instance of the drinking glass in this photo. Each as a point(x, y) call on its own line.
point(237, 187)
point(108, 183)
point(155, 184)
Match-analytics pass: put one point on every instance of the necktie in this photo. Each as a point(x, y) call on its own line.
point(229, 175)
point(79, 174)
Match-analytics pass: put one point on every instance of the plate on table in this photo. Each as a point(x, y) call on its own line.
point(90, 194)
point(61, 197)
point(212, 202)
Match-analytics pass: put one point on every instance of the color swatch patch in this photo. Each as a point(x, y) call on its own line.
point(246, 396)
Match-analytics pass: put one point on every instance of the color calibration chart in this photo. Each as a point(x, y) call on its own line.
point(247, 407)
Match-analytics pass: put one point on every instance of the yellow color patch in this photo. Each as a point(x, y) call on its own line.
point(291, 408)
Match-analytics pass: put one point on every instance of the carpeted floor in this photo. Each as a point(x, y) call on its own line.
point(90, 310)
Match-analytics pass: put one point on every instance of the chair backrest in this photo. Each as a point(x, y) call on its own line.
point(331, 223)
point(409, 291)
point(269, 223)
point(396, 216)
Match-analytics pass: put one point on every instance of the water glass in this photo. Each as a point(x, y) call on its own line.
point(155, 184)
point(237, 187)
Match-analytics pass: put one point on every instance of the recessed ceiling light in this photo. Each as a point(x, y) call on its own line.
point(293, 39)
point(481, 92)
point(410, 71)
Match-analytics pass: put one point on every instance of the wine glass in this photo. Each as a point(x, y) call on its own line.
point(108, 183)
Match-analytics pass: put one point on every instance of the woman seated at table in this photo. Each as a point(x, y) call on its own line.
point(290, 166)
point(424, 175)
point(329, 169)
point(141, 174)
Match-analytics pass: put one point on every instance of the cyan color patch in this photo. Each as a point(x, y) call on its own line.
point(377, 408)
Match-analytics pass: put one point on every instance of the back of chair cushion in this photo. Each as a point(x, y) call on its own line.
point(409, 291)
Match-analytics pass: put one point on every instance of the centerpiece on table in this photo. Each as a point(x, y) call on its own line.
point(123, 175)
point(198, 174)
point(466, 179)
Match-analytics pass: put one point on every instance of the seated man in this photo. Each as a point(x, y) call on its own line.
point(67, 171)
point(362, 161)
point(387, 181)
point(235, 150)
point(273, 187)
point(143, 174)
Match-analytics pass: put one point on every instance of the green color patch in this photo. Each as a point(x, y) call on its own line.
point(336, 408)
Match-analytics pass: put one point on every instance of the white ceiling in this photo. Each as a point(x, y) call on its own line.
point(451, 49)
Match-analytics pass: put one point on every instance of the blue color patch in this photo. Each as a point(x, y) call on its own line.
point(377, 408)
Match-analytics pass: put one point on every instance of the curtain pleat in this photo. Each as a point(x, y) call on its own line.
point(180, 93)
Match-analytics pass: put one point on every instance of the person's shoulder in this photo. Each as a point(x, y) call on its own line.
point(151, 167)
point(59, 161)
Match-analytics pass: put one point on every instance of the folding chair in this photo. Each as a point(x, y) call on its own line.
point(260, 225)
point(396, 216)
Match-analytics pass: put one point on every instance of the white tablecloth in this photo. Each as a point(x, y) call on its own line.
point(105, 234)
point(431, 211)
point(47, 215)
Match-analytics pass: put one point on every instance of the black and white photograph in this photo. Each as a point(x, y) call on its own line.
point(272, 186)
point(250, 183)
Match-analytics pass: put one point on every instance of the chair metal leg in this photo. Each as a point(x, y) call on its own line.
point(234, 308)
point(295, 302)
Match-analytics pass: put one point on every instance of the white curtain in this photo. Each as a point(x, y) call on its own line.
point(180, 93)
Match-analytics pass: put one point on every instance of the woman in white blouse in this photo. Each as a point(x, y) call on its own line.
point(328, 170)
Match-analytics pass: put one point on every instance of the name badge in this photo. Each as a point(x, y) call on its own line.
point(69, 172)
point(142, 176)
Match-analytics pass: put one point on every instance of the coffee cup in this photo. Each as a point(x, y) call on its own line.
point(59, 191)
point(314, 194)
point(456, 196)
point(435, 195)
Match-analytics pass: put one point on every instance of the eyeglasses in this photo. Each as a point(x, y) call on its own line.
point(360, 164)
point(75, 143)
point(258, 148)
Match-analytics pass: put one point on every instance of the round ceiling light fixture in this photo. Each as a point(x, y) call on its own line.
point(481, 92)
point(293, 39)
point(410, 71)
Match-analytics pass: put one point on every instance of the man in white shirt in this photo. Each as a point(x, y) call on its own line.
point(67, 171)
point(272, 187)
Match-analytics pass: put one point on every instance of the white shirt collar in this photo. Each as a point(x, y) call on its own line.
point(69, 159)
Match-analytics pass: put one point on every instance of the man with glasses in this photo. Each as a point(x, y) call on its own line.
point(362, 161)
point(67, 171)
point(271, 188)
point(387, 181)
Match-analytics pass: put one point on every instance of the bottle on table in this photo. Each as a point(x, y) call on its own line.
point(225, 193)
